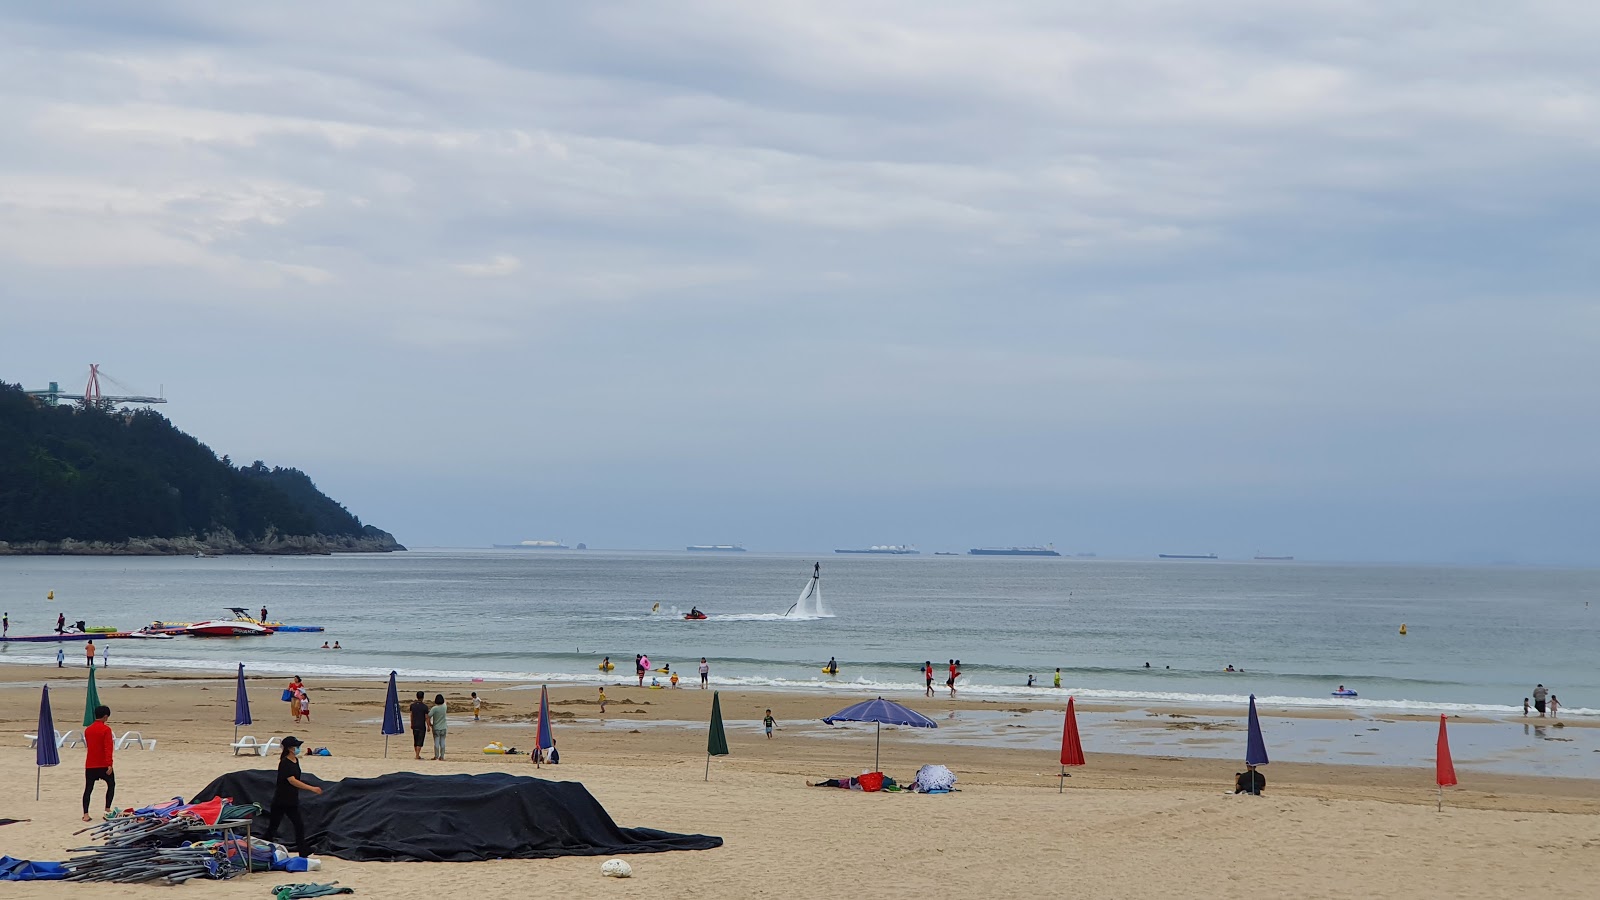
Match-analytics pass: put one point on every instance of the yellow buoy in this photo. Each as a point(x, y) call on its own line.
point(50, 595)
point(1402, 628)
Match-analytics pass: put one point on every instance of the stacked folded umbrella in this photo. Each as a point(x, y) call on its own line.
point(173, 842)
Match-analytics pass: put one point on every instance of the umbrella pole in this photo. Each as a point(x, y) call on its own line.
point(708, 767)
point(38, 776)
point(1441, 799)
point(386, 746)
point(877, 749)
point(1061, 783)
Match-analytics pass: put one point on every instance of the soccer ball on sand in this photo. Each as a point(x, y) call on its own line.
point(616, 868)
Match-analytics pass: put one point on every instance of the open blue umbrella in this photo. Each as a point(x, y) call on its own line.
point(46, 753)
point(391, 715)
point(543, 738)
point(883, 712)
point(241, 705)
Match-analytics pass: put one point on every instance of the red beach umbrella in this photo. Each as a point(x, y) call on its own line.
point(1071, 747)
point(1444, 767)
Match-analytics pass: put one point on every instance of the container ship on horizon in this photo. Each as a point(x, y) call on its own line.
point(533, 545)
point(886, 550)
point(714, 548)
point(1186, 556)
point(1047, 550)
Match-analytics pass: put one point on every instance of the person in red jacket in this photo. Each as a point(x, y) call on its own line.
point(97, 765)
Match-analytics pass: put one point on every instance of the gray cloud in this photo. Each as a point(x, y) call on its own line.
point(859, 252)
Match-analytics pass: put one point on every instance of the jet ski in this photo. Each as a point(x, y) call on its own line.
point(694, 613)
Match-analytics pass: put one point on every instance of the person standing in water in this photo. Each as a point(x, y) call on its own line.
point(1058, 676)
point(1555, 706)
point(5, 625)
point(88, 660)
point(1540, 692)
point(833, 664)
point(927, 676)
point(638, 667)
point(705, 673)
point(955, 666)
point(61, 658)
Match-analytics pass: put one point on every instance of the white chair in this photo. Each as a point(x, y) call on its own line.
point(63, 739)
point(134, 737)
point(248, 742)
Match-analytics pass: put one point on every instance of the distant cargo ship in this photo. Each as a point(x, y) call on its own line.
point(715, 548)
point(1048, 550)
point(532, 545)
point(886, 550)
point(1186, 555)
point(1276, 558)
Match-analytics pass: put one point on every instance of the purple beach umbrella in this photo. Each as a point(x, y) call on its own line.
point(883, 712)
point(46, 753)
point(391, 715)
point(543, 738)
point(241, 705)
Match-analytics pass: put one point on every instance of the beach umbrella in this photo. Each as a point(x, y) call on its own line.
point(1071, 747)
point(241, 705)
point(91, 700)
point(543, 739)
point(717, 742)
point(45, 753)
point(1444, 769)
point(391, 715)
point(1255, 753)
point(883, 712)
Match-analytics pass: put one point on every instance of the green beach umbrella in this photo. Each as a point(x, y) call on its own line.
point(92, 701)
point(717, 743)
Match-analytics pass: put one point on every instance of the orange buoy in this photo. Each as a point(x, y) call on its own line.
point(1402, 628)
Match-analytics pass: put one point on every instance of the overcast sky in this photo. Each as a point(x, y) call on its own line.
point(1242, 276)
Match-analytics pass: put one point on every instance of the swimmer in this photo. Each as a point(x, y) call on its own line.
point(1058, 676)
point(1030, 681)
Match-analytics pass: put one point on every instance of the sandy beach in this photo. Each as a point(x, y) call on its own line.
point(1127, 825)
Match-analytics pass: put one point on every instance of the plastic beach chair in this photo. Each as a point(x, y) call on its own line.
point(134, 737)
point(248, 742)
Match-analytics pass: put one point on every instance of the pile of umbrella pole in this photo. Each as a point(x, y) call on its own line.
point(170, 847)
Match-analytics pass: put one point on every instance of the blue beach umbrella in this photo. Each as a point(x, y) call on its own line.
point(1255, 752)
point(391, 715)
point(543, 738)
point(241, 705)
point(46, 753)
point(883, 712)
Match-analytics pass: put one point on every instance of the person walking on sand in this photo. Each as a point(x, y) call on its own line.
point(286, 795)
point(477, 705)
point(705, 673)
point(950, 682)
point(1540, 692)
point(638, 667)
point(769, 722)
point(602, 701)
point(419, 723)
point(927, 676)
point(88, 654)
point(97, 763)
point(438, 724)
point(305, 706)
point(288, 696)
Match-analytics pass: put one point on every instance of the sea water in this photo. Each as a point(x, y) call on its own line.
point(1478, 638)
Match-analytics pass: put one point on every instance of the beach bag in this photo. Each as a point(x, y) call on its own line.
point(871, 781)
point(288, 694)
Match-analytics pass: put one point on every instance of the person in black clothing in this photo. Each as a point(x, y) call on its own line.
point(1249, 781)
point(419, 723)
point(61, 623)
point(286, 795)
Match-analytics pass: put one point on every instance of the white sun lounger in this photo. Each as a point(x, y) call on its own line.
point(63, 739)
point(134, 737)
point(249, 742)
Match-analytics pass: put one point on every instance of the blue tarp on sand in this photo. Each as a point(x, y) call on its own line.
point(12, 869)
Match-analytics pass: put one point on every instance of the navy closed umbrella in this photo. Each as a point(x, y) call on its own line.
point(543, 738)
point(241, 705)
point(46, 753)
point(391, 715)
point(883, 712)
point(1255, 750)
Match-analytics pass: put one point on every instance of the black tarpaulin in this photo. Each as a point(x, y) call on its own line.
point(452, 818)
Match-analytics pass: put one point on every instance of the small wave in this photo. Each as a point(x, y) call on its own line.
point(766, 617)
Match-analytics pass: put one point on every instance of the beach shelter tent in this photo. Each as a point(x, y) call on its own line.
point(883, 712)
point(543, 738)
point(1444, 768)
point(1071, 747)
point(241, 705)
point(717, 741)
point(391, 715)
point(91, 701)
point(46, 753)
point(1255, 751)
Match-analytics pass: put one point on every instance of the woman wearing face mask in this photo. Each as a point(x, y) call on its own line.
point(286, 796)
